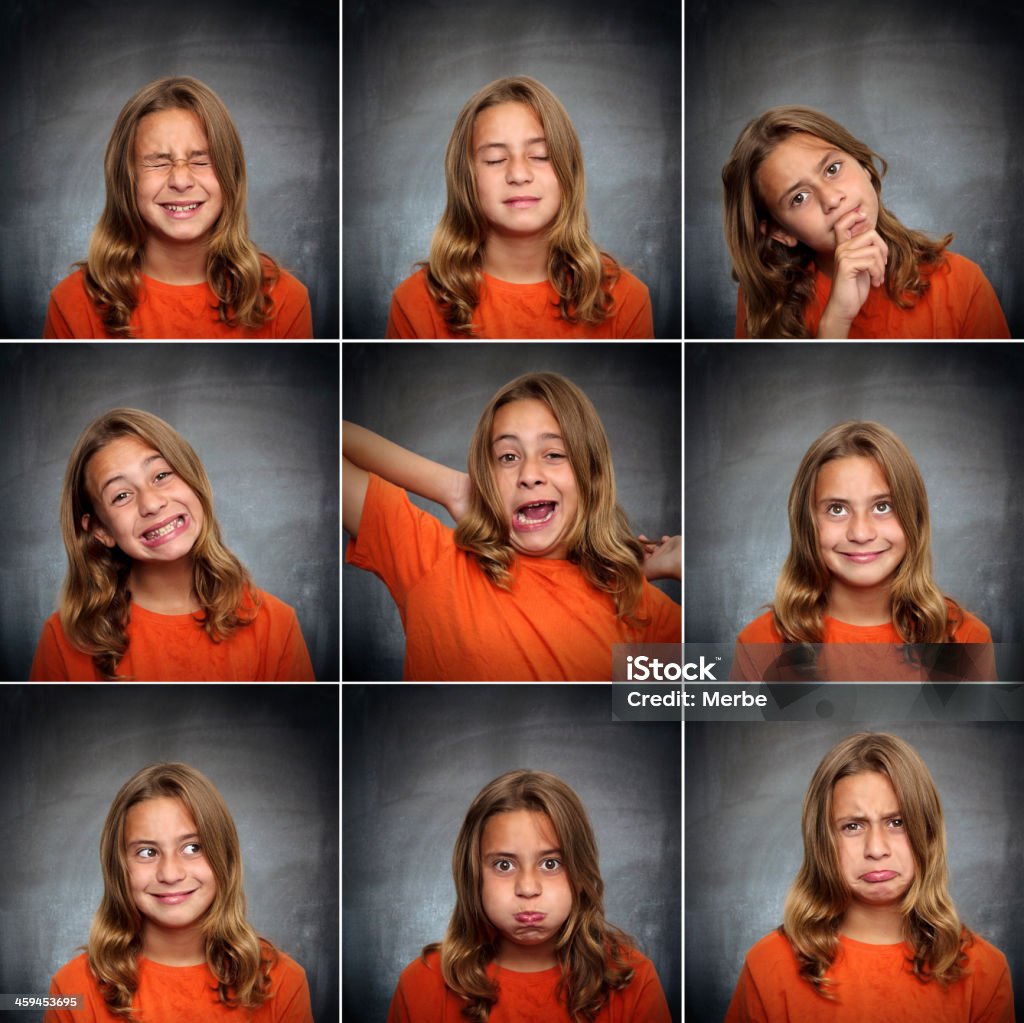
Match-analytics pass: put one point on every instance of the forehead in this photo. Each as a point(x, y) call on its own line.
point(792, 159)
point(156, 817)
point(854, 474)
point(862, 791)
point(517, 830)
point(170, 131)
point(121, 455)
point(523, 417)
point(507, 123)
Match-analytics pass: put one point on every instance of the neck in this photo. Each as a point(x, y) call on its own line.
point(856, 606)
point(175, 262)
point(825, 263)
point(874, 925)
point(516, 260)
point(526, 958)
point(184, 947)
point(163, 587)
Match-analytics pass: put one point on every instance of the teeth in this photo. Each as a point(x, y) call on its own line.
point(155, 534)
point(179, 209)
point(522, 517)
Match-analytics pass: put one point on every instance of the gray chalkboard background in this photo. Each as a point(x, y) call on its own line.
point(932, 85)
point(408, 69)
point(68, 69)
point(272, 752)
point(413, 759)
point(263, 419)
point(753, 409)
point(744, 787)
point(428, 398)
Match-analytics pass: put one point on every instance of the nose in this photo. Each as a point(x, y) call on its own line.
point(169, 869)
point(860, 528)
point(531, 472)
point(877, 844)
point(150, 501)
point(518, 170)
point(181, 178)
point(528, 884)
point(831, 196)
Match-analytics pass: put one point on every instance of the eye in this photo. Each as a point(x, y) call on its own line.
point(507, 458)
point(799, 199)
point(146, 853)
point(120, 497)
point(883, 507)
point(494, 163)
point(165, 165)
point(835, 509)
point(896, 823)
point(162, 475)
point(503, 866)
point(199, 164)
point(850, 827)
point(833, 169)
point(551, 864)
point(538, 157)
point(195, 847)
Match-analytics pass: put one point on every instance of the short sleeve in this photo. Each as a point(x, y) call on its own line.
point(294, 317)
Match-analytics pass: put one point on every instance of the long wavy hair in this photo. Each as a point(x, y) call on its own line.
point(920, 611)
point(237, 272)
point(238, 957)
point(778, 281)
point(600, 541)
point(581, 274)
point(591, 951)
point(819, 896)
point(95, 599)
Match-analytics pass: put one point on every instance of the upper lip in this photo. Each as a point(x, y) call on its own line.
point(535, 500)
point(880, 870)
point(882, 551)
point(160, 525)
point(517, 198)
point(530, 912)
point(166, 895)
point(180, 202)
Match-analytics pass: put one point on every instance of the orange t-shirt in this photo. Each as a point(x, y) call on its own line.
point(182, 994)
point(872, 983)
point(960, 303)
point(858, 653)
point(176, 648)
point(459, 627)
point(176, 311)
point(519, 311)
point(421, 996)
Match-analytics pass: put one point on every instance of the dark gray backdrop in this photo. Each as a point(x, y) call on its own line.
point(413, 759)
point(932, 86)
point(272, 752)
point(753, 409)
point(429, 397)
point(263, 419)
point(745, 784)
point(67, 70)
point(408, 70)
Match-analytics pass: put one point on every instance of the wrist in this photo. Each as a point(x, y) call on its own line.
point(833, 326)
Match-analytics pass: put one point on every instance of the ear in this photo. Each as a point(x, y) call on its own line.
point(777, 234)
point(97, 531)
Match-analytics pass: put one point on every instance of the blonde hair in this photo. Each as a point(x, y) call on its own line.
point(777, 280)
point(820, 896)
point(580, 273)
point(95, 600)
point(237, 956)
point(592, 952)
point(237, 272)
point(600, 540)
point(920, 612)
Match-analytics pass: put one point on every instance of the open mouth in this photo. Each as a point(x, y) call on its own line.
point(181, 211)
point(159, 533)
point(534, 515)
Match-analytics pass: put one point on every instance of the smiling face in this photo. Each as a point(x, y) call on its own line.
point(525, 892)
point(171, 882)
point(534, 479)
point(807, 184)
point(516, 185)
point(177, 191)
point(875, 856)
point(141, 505)
point(859, 534)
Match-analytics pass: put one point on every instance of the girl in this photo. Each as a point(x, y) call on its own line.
point(170, 940)
point(151, 591)
point(528, 937)
point(818, 255)
point(542, 574)
point(171, 255)
point(870, 930)
point(512, 255)
point(859, 570)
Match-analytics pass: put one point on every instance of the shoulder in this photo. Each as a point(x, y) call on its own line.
point(761, 630)
point(271, 606)
point(772, 953)
point(286, 972)
point(288, 287)
point(983, 957)
point(627, 284)
point(75, 973)
point(421, 985)
point(413, 288)
point(71, 289)
point(961, 268)
point(968, 628)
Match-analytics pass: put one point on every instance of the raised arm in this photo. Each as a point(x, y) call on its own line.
point(364, 452)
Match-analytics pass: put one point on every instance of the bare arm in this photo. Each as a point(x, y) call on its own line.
point(364, 452)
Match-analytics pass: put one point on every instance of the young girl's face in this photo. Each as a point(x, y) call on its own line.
point(811, 188)
point(176, 190)
point(526, 892)
point(534, 478)
point(859, 535)
point(515, 182)
point(141, 504)
point(875, 856)
point(172, 883)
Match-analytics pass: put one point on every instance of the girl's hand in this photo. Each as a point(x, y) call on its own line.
point(663, 559)
point(858, 265)
point(458, 502)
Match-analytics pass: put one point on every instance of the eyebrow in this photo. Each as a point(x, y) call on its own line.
point(167, 156)
point(121, 475)
point(153, 841)
point(845, 500)
point(822, 164)
point(864, 817)
point(513, 856)
point(505, 145)
point(515, 437)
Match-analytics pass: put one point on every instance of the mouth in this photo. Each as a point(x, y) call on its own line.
point(173, 898)
point(522, 202)
point(181, 210)
point(162, 533)
point(878, 876)
point(530, 918)
point(862, 557)
point(533, 515)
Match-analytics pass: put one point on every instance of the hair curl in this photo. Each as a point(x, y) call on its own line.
point(777, 281)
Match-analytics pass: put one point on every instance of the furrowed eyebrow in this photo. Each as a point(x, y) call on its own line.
point(167, 156)
point(828, 158)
